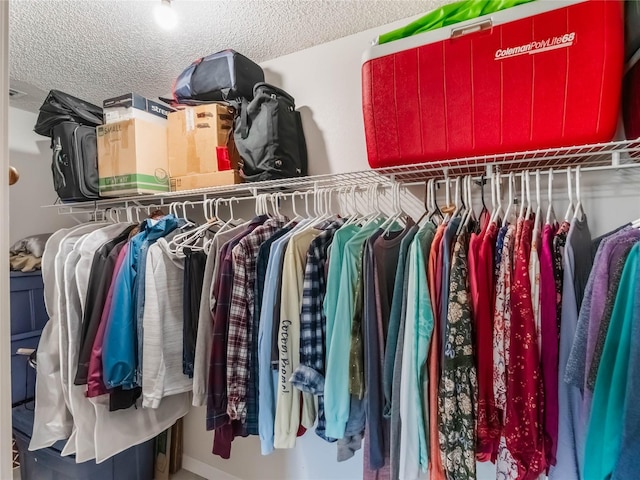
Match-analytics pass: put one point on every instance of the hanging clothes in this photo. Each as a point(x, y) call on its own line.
point(292, 408)
point(69, 277)
point(120, 358)
point(436, 470)
point(374, 459)
point(194, 266)
point(217, 414)
point(205, 321)
point(488, 428)
point(309, 375)
point(549, 347)
point(506, 466)
point(570, 427)
point(101, 273)
point(606, 423)
point(612, 291)
point(268, 371)
point(95, 380)
point(414, 381)
point(396, 321)
point(337, 397)
point(163, 320)
point(525, 397)
point(457, 398)
point(593, 307)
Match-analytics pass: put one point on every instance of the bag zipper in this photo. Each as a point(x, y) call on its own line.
point(80, 166)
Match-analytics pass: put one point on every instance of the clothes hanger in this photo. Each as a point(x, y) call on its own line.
point(399, 212)
point(528, 192)
point(191, 237)
point(510, 206)
point(232, 218)
point(469, 214)
point(350, 197)
point(497, 209)
point(457, 202)
point(297, 218)
point(551, 214)
point(427, 194)
point(482, 183)
point(570, 208)
point(377, 214)
point(435, 209)
point(522, 197)
point(537, 221)
point(578, 213)
point(448, 209)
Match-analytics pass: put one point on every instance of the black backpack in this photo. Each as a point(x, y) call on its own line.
point(269, 136)
point(71, 125)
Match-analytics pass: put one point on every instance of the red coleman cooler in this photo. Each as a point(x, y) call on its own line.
point(540, 75)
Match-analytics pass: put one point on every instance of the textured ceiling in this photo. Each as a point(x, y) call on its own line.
point(97, 49)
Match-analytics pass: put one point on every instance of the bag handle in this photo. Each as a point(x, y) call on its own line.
point(278, 91)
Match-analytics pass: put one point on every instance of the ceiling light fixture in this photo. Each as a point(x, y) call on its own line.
point(165, 15)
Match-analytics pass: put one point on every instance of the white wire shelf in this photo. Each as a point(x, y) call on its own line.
point(602, 156)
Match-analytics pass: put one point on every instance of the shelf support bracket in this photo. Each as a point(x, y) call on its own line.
point(615, 159)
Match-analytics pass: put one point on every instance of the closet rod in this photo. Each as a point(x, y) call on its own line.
point(135, 206)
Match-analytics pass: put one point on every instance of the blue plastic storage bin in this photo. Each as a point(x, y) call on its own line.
point(136, 463)
point(28, 317)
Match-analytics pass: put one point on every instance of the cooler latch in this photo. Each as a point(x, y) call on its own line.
point(471, 28)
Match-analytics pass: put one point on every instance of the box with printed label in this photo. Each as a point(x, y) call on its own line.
point(195, 137)
point(205, 180)
point(132, 158)
point(132, 105)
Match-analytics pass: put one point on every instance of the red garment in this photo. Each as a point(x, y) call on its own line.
point(525, 397)
point(436, 470)
point(475, 241)
point(550, 343)
point(95, 381)
point(488, 422)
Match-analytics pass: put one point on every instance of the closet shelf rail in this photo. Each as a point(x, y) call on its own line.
point(601, 156)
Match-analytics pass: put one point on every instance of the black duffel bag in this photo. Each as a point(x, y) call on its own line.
point(225, 75)
point(61, 107)
point(71, 125)
point(269, 137)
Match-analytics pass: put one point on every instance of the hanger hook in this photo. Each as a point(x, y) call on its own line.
point(230, 202)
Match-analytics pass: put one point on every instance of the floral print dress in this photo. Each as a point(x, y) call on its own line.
point(507, 468)
point(457, 394)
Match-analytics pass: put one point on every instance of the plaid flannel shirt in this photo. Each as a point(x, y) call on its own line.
point(240, 316)
point(309, 375)
point(217, 391)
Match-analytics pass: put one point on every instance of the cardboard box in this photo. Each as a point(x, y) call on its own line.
point(205, 180)
point(132, 105)
point(194, 137)
point(132, 158)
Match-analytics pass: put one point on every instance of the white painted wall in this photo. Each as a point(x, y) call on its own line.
point(31, 155)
